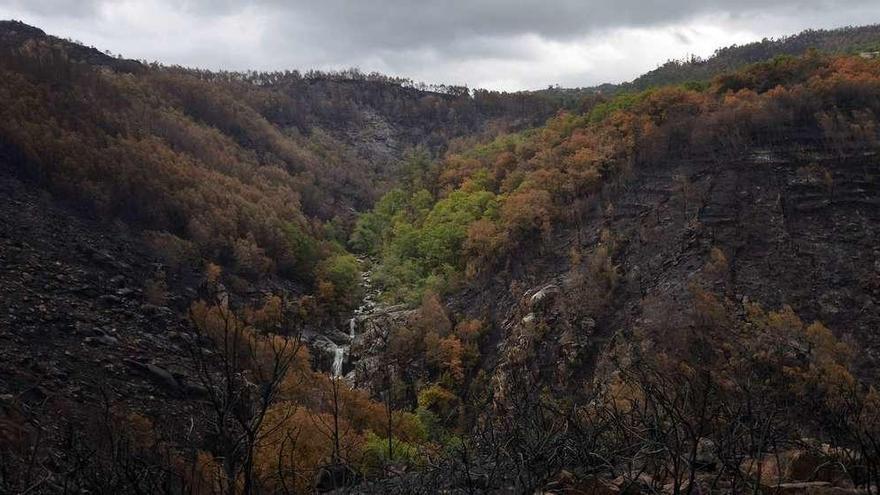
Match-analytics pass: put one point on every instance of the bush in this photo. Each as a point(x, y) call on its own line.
point(339, 280)
point(175, 252)
point(302, 254)
point(439, 401)
point(376, 455)
point(250, 260)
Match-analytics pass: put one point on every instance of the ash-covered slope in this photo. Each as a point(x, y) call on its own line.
point(80, 340)
point(795, 229)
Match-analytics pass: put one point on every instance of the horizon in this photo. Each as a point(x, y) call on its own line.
point(483, 45)
point(434, 85)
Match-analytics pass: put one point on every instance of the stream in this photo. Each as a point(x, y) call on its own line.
point(339, 359)
point(341, 352)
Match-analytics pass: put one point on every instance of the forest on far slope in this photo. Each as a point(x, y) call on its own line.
point(848, 40)
point(254, 172)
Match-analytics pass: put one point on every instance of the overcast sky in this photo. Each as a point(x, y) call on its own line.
point(525, 44)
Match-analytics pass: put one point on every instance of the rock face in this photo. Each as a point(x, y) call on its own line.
point(373, 330)
point(796, 228)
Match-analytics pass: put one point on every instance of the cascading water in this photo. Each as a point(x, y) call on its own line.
point(340, 352)
point(338, 359)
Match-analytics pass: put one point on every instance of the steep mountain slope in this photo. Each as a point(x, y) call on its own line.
point(79, 334)
point(786, 238)
point(667, 246)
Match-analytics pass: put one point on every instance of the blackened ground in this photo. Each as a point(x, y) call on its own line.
point(798, 228)
point(77, 336)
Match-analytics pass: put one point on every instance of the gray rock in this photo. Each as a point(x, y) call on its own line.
point(163, 376)
point(157, 374)
point(543, 294)
point(103, 340)
point(706, 458)
point(125, 292)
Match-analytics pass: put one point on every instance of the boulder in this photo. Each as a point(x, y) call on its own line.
point(163, 376)
point(157, 374)
point(625, 485)
point(706, 458)
point(792, 466)
point(335, 476)
point(542, 295)
point(802, 465)
point(766, 470)
point(106, 340)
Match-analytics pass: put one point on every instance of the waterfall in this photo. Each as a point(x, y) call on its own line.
point(366, 307)
point(338, 358)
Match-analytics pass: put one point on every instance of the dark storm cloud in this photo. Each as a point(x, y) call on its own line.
point(394, 24)
point(405, 21)
point(522, 43)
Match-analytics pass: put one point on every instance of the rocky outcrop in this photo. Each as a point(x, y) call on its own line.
point(373, 329)
point(796, 228)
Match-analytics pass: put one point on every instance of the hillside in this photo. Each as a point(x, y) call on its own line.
point(850, 40)
point(133, 191)
point(248, 283)
point(847, 40)
point(671, 247)
point(181, 152)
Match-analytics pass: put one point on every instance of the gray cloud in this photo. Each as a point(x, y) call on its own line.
point(503, 43)
point(62, 8)
point(403, 23)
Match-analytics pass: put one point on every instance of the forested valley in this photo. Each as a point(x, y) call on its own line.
point(275, 282)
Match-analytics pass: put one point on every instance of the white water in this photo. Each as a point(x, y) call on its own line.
point(338, 359)
point(366, 307)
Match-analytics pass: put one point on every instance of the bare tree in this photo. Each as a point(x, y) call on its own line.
point(242, 374)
